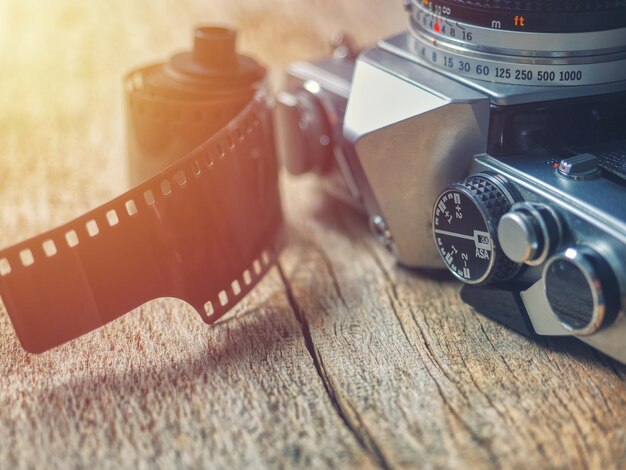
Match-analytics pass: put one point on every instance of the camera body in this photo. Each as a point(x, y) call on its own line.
point(391, 104)
point(504, 146)
point(557, 247)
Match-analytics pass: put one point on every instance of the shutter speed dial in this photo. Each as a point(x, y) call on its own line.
point(465, 222)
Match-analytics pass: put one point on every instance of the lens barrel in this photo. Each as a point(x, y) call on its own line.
point(551, 16)
point(522, 42)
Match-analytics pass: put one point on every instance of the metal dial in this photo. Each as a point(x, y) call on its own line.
point(528, 233)
point(581, 289)
point(464, 225)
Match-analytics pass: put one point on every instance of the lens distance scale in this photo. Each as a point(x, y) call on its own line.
point(549, 16)
point(465, 222)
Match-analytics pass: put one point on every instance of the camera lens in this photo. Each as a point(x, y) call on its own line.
point(530, 42)
point(551, 16)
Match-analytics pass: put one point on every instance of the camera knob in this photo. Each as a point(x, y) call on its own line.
point(528, 233)
point(582, 290)
point(303, 133)
point(465, 219)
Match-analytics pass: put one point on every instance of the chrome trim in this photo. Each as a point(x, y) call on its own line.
point(577, 256)
point(532, 208)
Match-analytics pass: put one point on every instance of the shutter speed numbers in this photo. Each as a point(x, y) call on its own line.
point(506, 73)
point(524, 74)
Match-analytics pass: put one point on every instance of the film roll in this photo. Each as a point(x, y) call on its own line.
point(203, 228)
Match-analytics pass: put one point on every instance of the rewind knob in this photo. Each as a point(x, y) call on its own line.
point(465, 221)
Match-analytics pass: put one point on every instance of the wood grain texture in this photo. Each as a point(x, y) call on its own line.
point(340, 358)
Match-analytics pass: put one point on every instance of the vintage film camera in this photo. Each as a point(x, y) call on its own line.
point(497, 128)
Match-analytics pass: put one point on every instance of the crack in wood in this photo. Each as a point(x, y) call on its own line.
point(484, 443)
point(342, 406)
point(506, 364)
point(581, 436)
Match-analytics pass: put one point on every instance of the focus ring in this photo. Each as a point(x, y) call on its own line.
point(566, 16)
point(549, 6)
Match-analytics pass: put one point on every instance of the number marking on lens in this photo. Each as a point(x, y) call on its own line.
point(478, 53)
point(523, 74)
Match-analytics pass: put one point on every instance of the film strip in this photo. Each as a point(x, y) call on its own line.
point(204, 230)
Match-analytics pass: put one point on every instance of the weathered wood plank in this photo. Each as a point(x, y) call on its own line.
point(159, 386)
point(339, 359)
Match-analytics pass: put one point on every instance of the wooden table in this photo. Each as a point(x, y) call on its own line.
point(340, 358)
